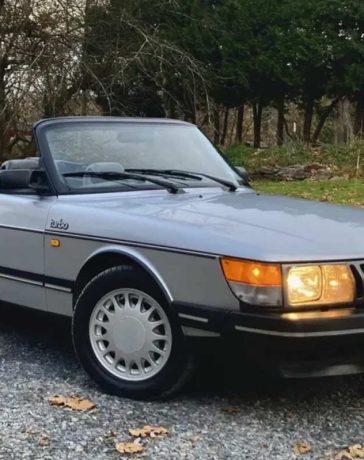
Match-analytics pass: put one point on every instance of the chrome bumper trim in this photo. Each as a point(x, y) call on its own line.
point(193, 318)
point(22, 280)
point(299, 334)
point(57, 288)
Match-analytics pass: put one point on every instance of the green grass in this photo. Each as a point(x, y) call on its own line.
point(344, 160)
point(349, 192)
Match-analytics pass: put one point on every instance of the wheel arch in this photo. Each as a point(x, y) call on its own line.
point(112, 256)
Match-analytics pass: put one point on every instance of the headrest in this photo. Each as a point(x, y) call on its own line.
point(107, 166)
point(26, 163)
point(14, 178)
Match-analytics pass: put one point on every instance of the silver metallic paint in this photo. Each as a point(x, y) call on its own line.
point(183, 277)
point(212, 221)
point(178, 238)
point(20, 293)
point(22, 221)
point(137, 256)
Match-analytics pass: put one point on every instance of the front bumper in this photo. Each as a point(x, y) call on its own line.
point(300, 348)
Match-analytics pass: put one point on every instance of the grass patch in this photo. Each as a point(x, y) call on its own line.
point(342, 191)
point(344, 160)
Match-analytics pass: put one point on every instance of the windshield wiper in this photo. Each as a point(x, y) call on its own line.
point(186, 175)
point(112, 176)
point(165, 172)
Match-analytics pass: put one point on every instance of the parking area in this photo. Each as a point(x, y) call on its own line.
point(214, 418)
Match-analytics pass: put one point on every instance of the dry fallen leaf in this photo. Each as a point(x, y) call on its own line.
point(351, 452)
point(149, 431)
point(73, 402)
point(356, 451)
point(302, 448)
point(232, 410)
point(43, 441)
point(129, 448)
point(343, 455)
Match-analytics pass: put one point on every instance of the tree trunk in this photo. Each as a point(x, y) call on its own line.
point(307, 124)
point(194, 114)
point(84, 103)
point(216, 125)
point(280, 122)
point(239, 125)
point(3, 110)
point(288, 133)
point(324, 116)
point(359, 117)
point(225, 127)
point(172, 108)
point(257, 115)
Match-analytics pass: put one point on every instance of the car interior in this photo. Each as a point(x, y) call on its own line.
point(15, 175)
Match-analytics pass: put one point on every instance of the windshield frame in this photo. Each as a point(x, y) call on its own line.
point(61, 188)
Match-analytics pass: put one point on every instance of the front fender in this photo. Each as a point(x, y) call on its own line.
point(138, 258)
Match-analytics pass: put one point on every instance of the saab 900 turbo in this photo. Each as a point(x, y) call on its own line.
point(151, 241)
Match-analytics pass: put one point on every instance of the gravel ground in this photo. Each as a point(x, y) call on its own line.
point(37, 362)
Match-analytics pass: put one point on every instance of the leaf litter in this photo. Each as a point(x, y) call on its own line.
point(72, 402)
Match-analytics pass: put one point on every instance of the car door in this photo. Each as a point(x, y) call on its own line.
point(22, 223)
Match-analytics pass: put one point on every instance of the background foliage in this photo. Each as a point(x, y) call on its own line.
point(253, 72)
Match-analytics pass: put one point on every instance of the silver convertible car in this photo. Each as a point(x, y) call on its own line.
point(154, 244)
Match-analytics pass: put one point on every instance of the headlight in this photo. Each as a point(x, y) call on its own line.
point(320, 285)
point(254, 282)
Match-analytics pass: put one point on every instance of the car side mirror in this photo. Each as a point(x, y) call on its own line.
point(243, 173)
point(38, 181)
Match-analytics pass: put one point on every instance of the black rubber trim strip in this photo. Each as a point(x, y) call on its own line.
point(274, 322)
point(59, 282)
point(207, 255)
point(215, 317)
point(225, 321)
point(130, 243)
point(37, 277)
point(86, 237)
point(22, 274)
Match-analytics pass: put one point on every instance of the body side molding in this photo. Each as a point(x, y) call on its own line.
point(51, 232)
point(36, 279)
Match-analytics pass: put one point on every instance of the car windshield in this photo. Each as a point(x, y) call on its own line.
point(136, 155)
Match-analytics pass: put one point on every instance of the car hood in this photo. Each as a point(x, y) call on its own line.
point(239, 224)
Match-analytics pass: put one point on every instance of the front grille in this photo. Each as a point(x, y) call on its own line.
point(358, 272)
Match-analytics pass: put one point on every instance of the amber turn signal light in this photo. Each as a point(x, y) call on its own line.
point(250, 272)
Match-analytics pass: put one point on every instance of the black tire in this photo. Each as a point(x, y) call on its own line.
point(180, 362)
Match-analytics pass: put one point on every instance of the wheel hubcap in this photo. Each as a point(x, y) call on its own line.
point(130, 334)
